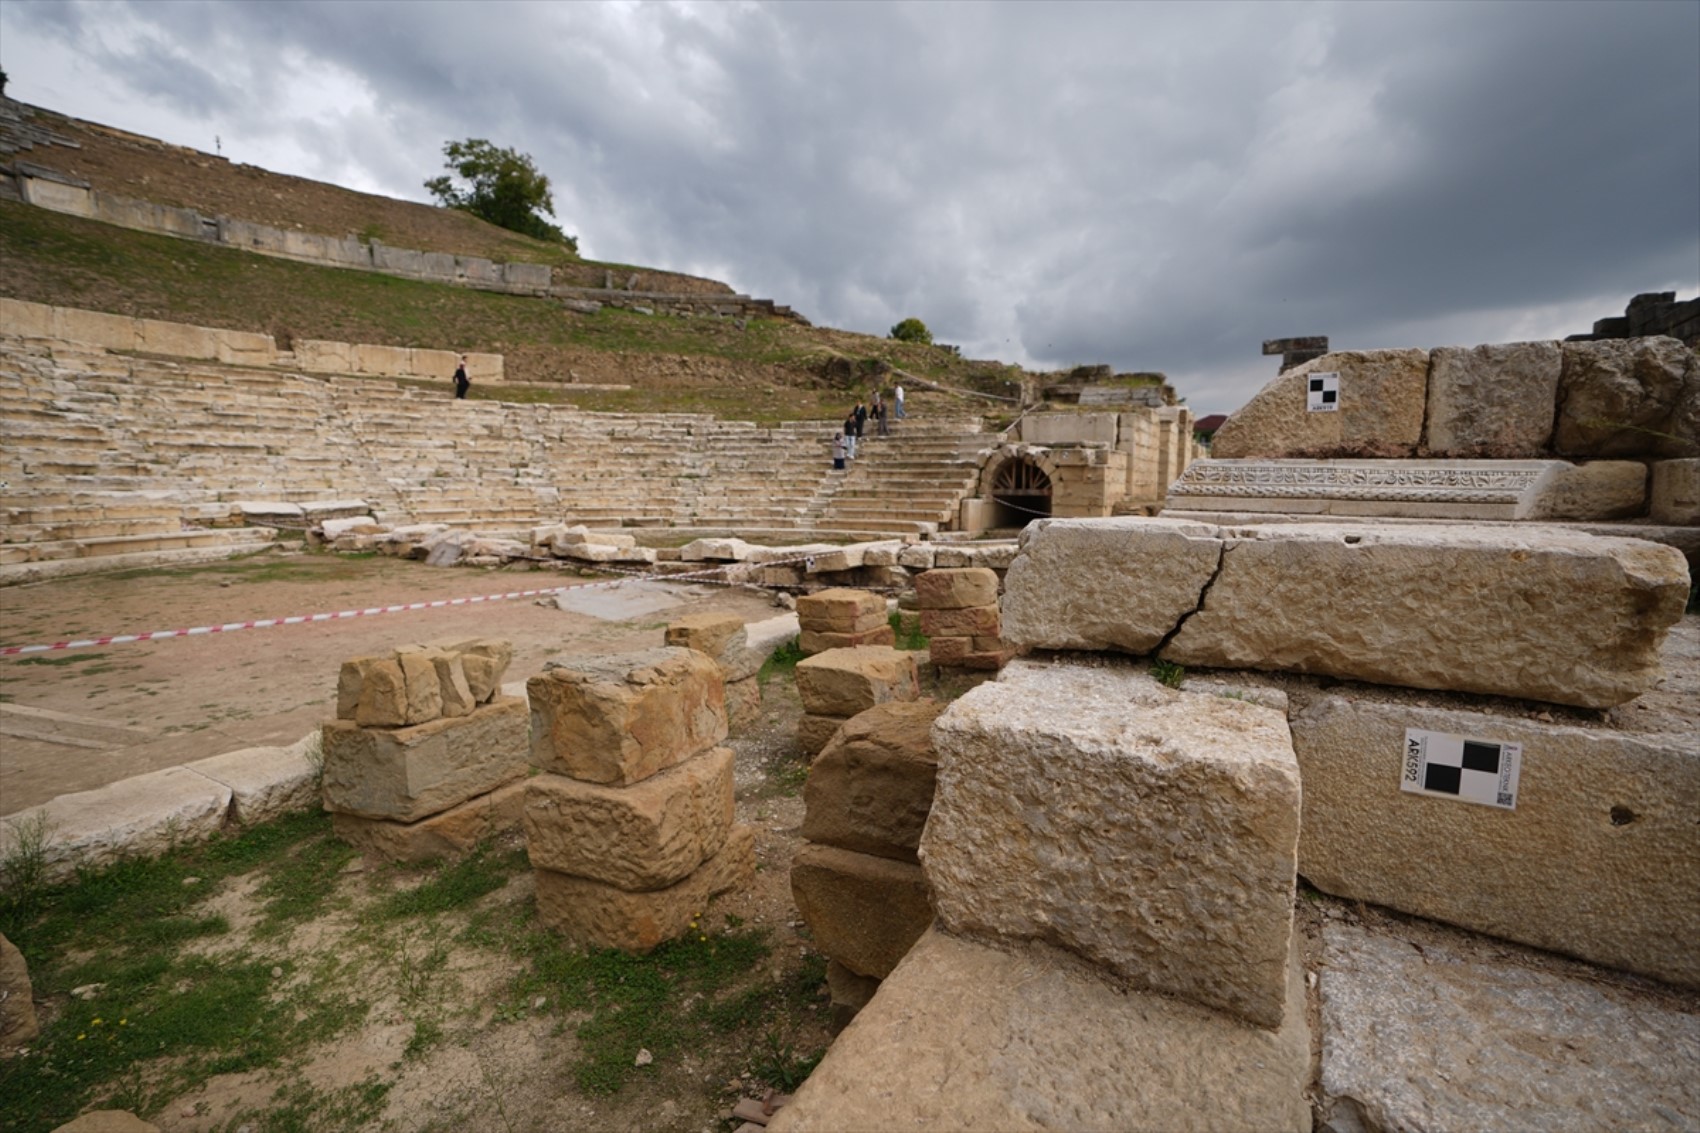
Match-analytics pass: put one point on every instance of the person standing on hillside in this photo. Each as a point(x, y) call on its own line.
point(880, 428)
point(462, 382)
point(897, 401)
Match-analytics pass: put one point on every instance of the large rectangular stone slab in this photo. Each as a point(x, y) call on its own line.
point(620, 719)
point(453, 833)
point(871, 788)
point(1496, 401)
point(1600, 858)
point(1382, 394)
point(863, 911)
point(965, 1036)
point(646, 836)
point(266, 782)
point(1150, 831)
point(591, 914)
point(843, 682)
point(404, 774)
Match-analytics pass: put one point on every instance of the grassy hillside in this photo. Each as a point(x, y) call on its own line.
point(767, 370)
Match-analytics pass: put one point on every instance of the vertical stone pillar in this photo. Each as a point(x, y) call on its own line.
point(423, 757)
point(960, 616)
point(629, 828)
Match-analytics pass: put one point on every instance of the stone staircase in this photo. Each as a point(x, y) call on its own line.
point(110, 454)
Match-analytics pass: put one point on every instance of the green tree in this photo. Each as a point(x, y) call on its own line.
point(912, 330)
point(502, 187)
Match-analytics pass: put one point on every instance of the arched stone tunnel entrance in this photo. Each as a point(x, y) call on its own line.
point(1020, 492)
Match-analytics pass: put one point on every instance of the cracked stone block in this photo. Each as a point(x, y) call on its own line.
point(453, 833)
point(1149, 831)
point(405, 774)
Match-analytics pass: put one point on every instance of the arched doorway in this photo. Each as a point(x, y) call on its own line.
point(1021, 493)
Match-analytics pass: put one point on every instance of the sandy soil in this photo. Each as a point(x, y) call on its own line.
point(193, 697)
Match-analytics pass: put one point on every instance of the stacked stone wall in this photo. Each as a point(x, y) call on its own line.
point(959, 614)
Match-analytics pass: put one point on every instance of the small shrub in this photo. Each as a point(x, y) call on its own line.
point(1168, 673)
point(909, 637)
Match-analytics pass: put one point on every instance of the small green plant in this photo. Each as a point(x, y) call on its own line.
point(780, 1066)
point(1168, 673)
point(782, 662)
point(908, 632)
point(23, 870)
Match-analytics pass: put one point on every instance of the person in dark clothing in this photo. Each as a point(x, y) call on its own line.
point(462, 382)
point(861, 420)
point(850, 433)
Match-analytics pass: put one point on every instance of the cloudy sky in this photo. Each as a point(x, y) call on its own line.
point(1155, 186)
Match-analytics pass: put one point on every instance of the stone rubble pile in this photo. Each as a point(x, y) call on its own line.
point(959, 614)
point(857, 881)
point(425, 756)
point(629, 826)
point(841, 683)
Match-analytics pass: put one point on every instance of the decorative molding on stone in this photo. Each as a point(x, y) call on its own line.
point(1455, 489)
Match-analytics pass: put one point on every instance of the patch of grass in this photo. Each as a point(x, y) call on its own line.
point(298, 1107)
point(909, 636)
point(456, 884)
point(782, 662)
point(1168, 673)
point(62, 659)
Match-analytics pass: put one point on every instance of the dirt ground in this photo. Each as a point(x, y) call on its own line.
point(192, 697)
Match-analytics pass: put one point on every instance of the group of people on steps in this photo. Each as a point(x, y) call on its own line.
point(856, 425)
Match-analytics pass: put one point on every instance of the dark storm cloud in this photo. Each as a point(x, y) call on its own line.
point(1155, 186)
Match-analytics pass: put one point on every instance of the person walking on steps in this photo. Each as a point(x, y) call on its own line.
point(462, 382)
point(880, 427)
point(861, 420)
point(850, 435)
point(897, 401)
point(838, 451)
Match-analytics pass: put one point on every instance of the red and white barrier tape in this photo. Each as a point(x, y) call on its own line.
point(370, 611)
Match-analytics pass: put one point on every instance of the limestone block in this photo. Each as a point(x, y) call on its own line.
point(338, 526)
point(850, 992)
point(1440, 1036)
point(646, 836)
point(386, 361)
point(432, 363)
point(743, 702)
point(956, 588)
point(1600, 489)
point(1516, 611)
point(715, 550)
point(95, 328)
point(843, 682)
point(870, 789)
point(591, 914)
point(17, 1004)
point(982, 653)
point(620, 719)
point(371, 691)
point(318, 356)
point(424, 690)
point(603, 552)
point(139, 817)
point(484, 367)
point(993, 556)
point(579, 535)
point(243, 348)
point(863, 911)
point(835, 559)
point(815, 732)
point(1598, 860)
point(404, 774)
point(1187, 889)
point(971, 621)
point(25, 319)
point(965, 1036)
point(1629, 397)
point(841, 610)
point(1493, 401)
point(1382, 395)
point(177, 340)
point(266, 782)
point(483, 660)
point(454, 691)
point(713, 634)
point(817, 641)
point(1676, 492)
point(917, 556)
point(1106, 583)
point(453, 833)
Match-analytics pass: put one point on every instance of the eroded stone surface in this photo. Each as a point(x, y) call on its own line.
point(863, 911)
point(595, 915)
point(1494, 401)
point(405, 774)
point(452, 833)
point(266, 782)
point(843, 682)
point(1518, 611)
point(956, 588)
point(713, 634)
point(1432, 1038)
point(1106, 584)
point(1382, 395)
point(1676, 492)
point(1598, 860)
point(966, 1036)
point(645, 836)
point(1151, 831)
point(871, 788)
point(841, 610)
point(815, 732)
point(620, 719)
point(1629, 397)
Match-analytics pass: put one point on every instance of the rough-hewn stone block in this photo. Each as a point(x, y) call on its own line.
point(176, 340)
point(970, 621)
point(863, 911)
point(404, 774)
point(594, 915)
point(1382, 395)
point(620, 719)
point(1676, 492)
point(1599, 859)
point(965, 1036)
point(1493, 401)
point(813, 641)
point(385, 361)
point(451, 834)
point(956, 588)
point(840, 610)
point(1175, 867)
point(843, 682)
point(646, 836)
point(372, 692)
point(483, 660)
point(713, 634)
point(1600, 489)
point(743, 702)
point(871, 788)
point(815, 732)
point(1629, 397)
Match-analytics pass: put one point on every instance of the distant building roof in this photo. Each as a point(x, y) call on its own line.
point(1209, 425)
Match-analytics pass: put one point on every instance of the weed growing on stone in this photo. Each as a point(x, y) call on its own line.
point(909, 636)
point(1168, 673)
point(782, 663)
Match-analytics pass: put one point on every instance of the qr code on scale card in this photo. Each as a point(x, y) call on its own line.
point(1466, 768)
